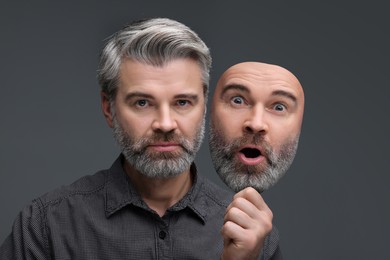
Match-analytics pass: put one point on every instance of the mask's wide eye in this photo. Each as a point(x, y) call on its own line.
point(238, 100)
point(279, 107)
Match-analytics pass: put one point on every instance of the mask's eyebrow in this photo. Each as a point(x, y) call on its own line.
point(234, 87)
point(284, 93)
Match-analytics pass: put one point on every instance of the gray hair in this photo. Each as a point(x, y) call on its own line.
point(154, 42)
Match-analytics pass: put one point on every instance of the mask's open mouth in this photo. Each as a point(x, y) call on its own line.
point(251, 152)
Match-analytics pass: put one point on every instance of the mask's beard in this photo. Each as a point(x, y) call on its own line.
point(237, 175)
point(154, 164)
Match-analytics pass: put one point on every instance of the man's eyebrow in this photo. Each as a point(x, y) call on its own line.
point(137, 95)
point(285, 94)
point(187, 96)
point(234, 87)
point(148, 96)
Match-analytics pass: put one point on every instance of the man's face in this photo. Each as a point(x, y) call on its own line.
point(158, 116)
point(256, 118)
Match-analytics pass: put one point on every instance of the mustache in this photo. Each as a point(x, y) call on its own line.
point(255, 139)
point(164, 137)
point(143, 143)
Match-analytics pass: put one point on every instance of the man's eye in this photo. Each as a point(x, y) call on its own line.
point(237, 100)
point(182, 103)
point(279, 107)
point(141, 103)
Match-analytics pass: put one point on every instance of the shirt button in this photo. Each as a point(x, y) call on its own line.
point(162, 234)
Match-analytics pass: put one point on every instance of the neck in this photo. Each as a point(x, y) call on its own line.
point(158, 193)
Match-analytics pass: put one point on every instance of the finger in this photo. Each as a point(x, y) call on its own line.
point(253, 196)
point(246, 206)
point(261, 221)
point(234, 235)
point(232, 232)
point(238, 217)
point(251, 202)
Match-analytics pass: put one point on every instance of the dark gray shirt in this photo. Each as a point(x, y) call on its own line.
point(102, 217)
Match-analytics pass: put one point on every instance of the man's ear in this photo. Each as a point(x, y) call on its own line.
point(106, 108)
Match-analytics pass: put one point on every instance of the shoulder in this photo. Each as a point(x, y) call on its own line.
point(87, 185)
point(31, 232)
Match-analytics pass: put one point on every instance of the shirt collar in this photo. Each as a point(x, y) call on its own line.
point(120, 192)
point(117, 188)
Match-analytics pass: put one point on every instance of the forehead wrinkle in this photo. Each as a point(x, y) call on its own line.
point(234, 86)
point(275, 77)
point(248, 84)
point(262, 70)
point(284, 78)
point(284, 93)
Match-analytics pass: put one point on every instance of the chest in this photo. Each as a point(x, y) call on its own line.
point(135, 234)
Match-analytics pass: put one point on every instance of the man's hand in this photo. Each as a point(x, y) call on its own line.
point(247, 222)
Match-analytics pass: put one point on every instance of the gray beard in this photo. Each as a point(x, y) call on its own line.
point(238, 176)
point(163, 164)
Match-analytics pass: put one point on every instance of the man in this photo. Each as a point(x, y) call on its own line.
point(151, 204)
point(256, 118)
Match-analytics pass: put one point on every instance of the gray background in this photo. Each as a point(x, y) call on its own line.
point(334, 201)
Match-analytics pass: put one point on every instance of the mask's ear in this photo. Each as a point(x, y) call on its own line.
point(106, 108)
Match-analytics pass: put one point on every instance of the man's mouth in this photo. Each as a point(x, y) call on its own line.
point(165, 146)
point(250, 156)
point(251, 152)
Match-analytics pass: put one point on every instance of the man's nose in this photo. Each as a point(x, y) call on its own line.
point(164, 121)
point(256, 121)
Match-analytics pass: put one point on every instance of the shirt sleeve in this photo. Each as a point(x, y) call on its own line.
point(277, 255)
point(27, 239)
point(271, 248)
